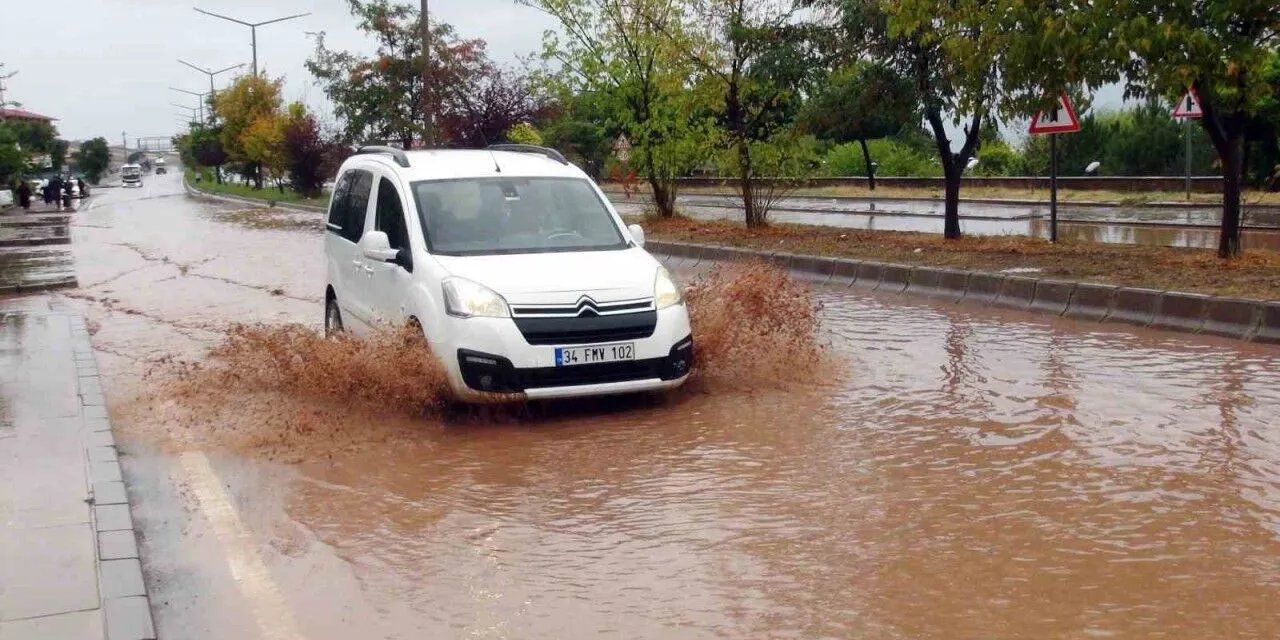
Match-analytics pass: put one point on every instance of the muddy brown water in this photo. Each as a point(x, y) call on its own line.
point(961, 473)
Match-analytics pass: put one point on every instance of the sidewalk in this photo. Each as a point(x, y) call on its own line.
point(69, 566)
point(35, 252)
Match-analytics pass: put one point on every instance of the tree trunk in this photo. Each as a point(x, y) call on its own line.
point(951, 203)
point(1229, 237)
point(871, 170)
point(754, 217)
point(664, 196)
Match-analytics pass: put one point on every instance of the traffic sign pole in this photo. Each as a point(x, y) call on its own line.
point(1187, 134)
point(1053, 187)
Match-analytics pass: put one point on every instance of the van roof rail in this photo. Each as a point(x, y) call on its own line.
point(530, 148)
point(396, 154)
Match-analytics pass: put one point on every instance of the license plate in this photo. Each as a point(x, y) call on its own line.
point(569, 356)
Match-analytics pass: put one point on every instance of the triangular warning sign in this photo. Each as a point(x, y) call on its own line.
point(1189, 105)
point(1061, 120)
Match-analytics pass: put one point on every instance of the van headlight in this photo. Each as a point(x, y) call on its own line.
point(466, 299)
point(666, 293)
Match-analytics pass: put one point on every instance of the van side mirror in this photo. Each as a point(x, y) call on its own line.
point(376, 246)
point(637, 234)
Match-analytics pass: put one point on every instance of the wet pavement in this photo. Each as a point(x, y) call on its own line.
point(1148, 225)
point(958, 472)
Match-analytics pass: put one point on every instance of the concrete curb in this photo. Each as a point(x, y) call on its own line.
point(125, 604)
point(63, 283)
point(192, 190)
point(1254, 320)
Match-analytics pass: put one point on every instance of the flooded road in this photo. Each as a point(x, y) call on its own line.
point(1195, 227)
point(960, 472)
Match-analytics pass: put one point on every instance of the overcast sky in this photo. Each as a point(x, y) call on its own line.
point(105, 66)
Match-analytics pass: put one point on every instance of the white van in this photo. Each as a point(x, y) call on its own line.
point(520, 273)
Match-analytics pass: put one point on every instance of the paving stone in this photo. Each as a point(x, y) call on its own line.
point(1135, 306)
point(77, 625)
point(983, 288)
point(894, 278)
point(122, 578)
point(1181, 311)
point(1231, 317)
point(47, 571)
point(1269, 323)
point(109, 493)
point(845, 272)
point(99, 439)
point(88, 399)
point(97, 423)
point(129, 619)
point(113, 517)
point(952, 283)
point(1052, 296)
point(1016, 292)
point(1091, 301)
point(102, 454)
point(96, 411)
point(869, 274)
point(117, 545)
point(104, 471)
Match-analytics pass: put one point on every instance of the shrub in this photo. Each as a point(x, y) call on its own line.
point(892, 157)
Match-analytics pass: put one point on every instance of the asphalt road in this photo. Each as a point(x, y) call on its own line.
point(953, 471)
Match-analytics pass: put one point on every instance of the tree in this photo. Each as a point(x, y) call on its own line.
point(93, 158)
point(752, 56)
point(58, 154)
point(263, 146)
point(624, 54)
point(496, 102)
point(524, 133)
point(862, 101)
point(311, 158)
point(382, 97)
point(1222, 49)
point(248, 110)
point(207, 150)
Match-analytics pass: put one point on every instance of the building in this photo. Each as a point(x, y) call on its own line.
point(23, 114)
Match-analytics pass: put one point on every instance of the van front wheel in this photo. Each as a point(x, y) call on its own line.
point(332, 317)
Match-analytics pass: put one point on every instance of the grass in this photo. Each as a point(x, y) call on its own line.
point(1130, 198)
point(247, 191)
point(1255, 274)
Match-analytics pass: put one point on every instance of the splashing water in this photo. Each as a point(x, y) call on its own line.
point(285, 390)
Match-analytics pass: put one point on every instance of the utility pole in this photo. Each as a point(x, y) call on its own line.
point(428, 106)
point(6, 77)
point(124, 144)
point(253, 28)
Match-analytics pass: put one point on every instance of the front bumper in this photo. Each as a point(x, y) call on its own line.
point(487, 372)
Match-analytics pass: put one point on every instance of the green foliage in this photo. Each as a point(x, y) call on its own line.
point(93, 158)
point(383, 97)
point(893, 158)
point(862, 101)
point(997, 158)
point(524, 133)
point(1143, 141)
point(627, 60)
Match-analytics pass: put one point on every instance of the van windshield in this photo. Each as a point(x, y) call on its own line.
point(477, 216)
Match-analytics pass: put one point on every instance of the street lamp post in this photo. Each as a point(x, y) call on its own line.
point(253, 28)
point(211, 73)
point(199, 96)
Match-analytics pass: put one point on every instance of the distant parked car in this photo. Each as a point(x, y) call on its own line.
point(160, 170)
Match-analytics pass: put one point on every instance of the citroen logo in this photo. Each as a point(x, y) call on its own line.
point(587, 307)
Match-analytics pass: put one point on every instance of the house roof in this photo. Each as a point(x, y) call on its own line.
point(22, 114)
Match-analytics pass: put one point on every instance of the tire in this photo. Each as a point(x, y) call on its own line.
point(332, 317)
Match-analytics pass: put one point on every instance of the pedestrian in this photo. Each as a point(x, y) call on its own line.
point(84, 190)
point(24, 195)
point(67, 188)
point(54, 195)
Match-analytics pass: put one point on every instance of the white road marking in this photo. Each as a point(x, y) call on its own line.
point(247, 568)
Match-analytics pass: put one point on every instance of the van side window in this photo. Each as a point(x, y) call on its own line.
point(390, 219)
point(338, 205)
point(357, 205)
